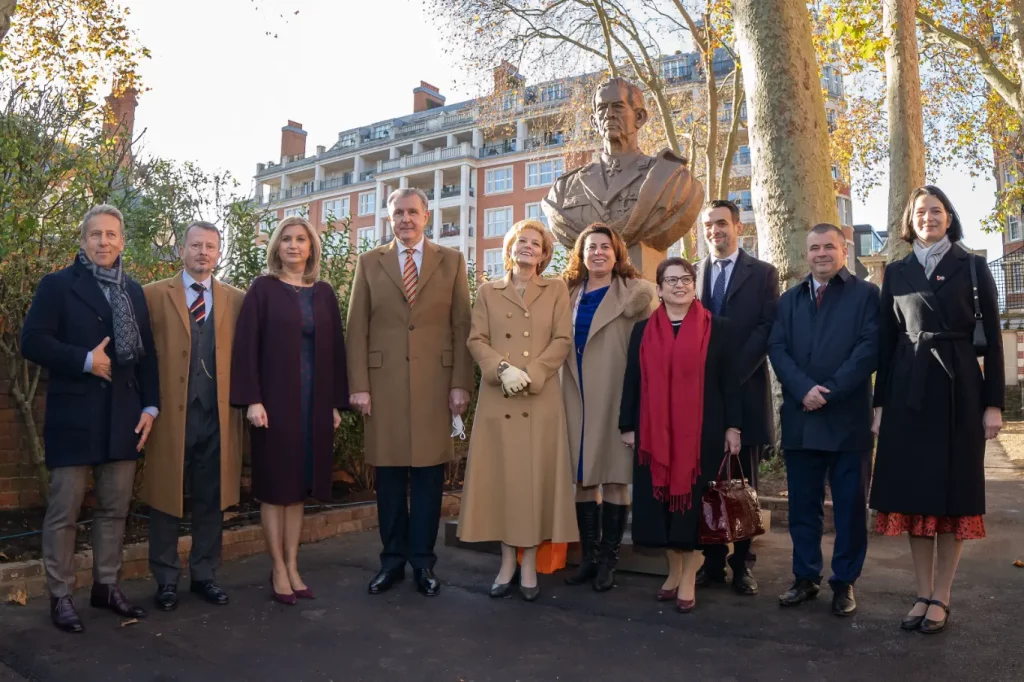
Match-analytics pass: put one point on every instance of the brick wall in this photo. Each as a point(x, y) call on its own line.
point(18, 485)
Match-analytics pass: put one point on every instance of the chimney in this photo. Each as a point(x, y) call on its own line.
point(506, 77)
point(293, 141)
point(426, 97)
point(120, 119)
point(320, 149)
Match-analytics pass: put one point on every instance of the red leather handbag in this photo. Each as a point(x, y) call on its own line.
point(729, 508)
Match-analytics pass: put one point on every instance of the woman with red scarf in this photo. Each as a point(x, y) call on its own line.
point(681, 413)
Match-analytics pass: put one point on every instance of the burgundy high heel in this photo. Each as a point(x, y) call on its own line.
point(286, 599)
point(305, 594)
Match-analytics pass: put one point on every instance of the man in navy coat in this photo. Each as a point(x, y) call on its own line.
point(89, 327)
point(824, 349)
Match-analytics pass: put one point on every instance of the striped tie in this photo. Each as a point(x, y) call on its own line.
point(198, 307)
point(410, 277)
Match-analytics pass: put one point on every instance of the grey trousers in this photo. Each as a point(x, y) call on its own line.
point(201, 482)
point(114, 481)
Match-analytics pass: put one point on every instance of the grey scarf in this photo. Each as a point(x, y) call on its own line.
point(930, 256)
point(127, 339)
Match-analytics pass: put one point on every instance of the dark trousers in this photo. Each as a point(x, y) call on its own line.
point(715, 555)
point(848, 475)
point(201, 483)
point(409, 510)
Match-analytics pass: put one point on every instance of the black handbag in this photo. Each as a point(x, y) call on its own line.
point(980, 340)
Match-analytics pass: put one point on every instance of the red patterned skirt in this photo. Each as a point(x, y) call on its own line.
point(919, 526)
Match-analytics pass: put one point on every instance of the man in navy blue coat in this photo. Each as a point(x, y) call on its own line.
point(89, 327)
point(824, 349)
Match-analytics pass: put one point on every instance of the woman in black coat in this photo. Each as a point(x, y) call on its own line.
point(288, 370)
point(671, 356)
point(934, 407)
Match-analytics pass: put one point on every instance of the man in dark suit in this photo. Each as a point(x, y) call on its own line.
point(824, 348)
point(89, 327)
point(733, 284)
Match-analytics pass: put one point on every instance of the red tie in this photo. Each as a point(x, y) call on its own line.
point(821, 292)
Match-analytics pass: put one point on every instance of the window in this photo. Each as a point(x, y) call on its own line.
point(365, 238)
point(553, 91)
point(497, 221)
point(742, 199)
point(335, 240)
point(498, 180)
point(1008, 176)
point(302, 211)
point(367, 203)
point(749, 244)
point(380, 132)
point(336, 209)
point(742, 156)
point(676, 69)
point(866, 242)
point(494, 265)
point(543, 173)
point(349, 139)
point(725, 112)
point(845, 207)
point(534, 212)
point(1014, 277)
point(508, 100)
point(1014, 231)
point(832, 117)
point(836, 175)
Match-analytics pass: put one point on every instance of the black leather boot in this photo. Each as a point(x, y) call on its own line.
point(588, 518)
point(613, 526)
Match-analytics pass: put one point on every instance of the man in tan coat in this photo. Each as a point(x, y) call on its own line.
point(409, 372)
point(196, 441)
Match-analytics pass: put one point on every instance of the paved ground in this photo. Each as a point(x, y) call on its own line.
point(568, 634)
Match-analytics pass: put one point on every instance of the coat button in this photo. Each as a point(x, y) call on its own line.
point(526, 333)
point(508, 336)
point(182, 379)
point(508, 314)
point(526, 414)
point(100, 319)
point(526, 353)
point(526, 314)
point(508, 416)
point(184, 353)
point(411, 327)
point(181, 408)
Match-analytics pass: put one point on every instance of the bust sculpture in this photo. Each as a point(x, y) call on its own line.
point(650, 201)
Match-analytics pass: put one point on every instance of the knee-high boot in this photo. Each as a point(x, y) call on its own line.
point(588, 518)
point(613, 526)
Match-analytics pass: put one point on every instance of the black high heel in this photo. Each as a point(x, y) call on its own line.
point(914, 622)
point(500, 590)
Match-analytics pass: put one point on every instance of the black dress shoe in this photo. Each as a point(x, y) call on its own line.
point(801, 591)
point(914, 622)
point(64, 614)
point(529, 593)
point(933, 627)
point(712, 577)
point(111, 597)
point(385, 580)
point(210, 591)
point(166, 597)
point(499, 590)
point(426, 582)
point(743, 582)
point(843, 603)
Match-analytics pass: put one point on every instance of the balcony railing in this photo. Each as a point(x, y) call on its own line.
point(549, 140)
point(464, 149)
point(390, 165)
point(449, 230)
point(294, 192)
point(498, 148)
point(367, 175)
point(334, 183)
point(409, 131)
point(457, 118)
point(454, 191)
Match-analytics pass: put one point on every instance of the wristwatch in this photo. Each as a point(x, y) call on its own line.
point(502, 366)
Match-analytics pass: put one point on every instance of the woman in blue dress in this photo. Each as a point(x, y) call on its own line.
point(608, 298)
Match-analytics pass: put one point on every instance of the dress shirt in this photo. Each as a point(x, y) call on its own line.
point(417, 255)
point(191, 294)
point(717, 270)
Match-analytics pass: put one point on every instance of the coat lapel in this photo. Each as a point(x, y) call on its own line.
point(535, 289)
point(88, 289)
point(176, 292)
point(914, 275)
point(743, 266)
point(609, 309)
point(389, 261)
point(508, 290)
point(431, 259)
point(220, 308)
point(948, 267)
point(702, 273)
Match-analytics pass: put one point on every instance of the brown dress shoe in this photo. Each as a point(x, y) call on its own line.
point(64, 614)
point(111, 597)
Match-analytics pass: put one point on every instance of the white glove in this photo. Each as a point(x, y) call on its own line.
point(458, 428)
point(513, 380)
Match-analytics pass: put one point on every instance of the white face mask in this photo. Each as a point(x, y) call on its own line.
point(458, 428)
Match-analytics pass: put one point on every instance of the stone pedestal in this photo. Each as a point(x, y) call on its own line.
point(646, 260)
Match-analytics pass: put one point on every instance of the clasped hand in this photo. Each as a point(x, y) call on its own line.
point(815, 398)
point(513, 381)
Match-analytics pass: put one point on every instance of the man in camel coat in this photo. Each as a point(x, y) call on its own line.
point(196, 445)
point(409, 372)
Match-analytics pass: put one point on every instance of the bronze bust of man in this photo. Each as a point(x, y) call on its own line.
point(650, 201)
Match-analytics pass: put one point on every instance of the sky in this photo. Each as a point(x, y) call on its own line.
point(220, 88)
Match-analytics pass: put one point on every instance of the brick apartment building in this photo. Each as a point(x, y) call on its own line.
point(481, 171)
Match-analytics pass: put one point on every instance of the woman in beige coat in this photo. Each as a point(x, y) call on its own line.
point(608, 297)
point(518, 486)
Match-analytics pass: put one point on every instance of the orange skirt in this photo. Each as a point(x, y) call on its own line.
point(919, 526)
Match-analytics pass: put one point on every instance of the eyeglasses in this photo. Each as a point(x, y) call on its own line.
point(685, 280)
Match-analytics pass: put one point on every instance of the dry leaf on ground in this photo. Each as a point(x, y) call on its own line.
point(131, 621)
point(1018, 563)
point(18, 597)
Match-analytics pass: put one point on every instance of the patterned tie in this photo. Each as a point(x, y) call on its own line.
point(410, 277)
point(718, 293)
point(198, 307)
point(817, 296)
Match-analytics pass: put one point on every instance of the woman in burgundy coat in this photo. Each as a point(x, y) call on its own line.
point(288, 370)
